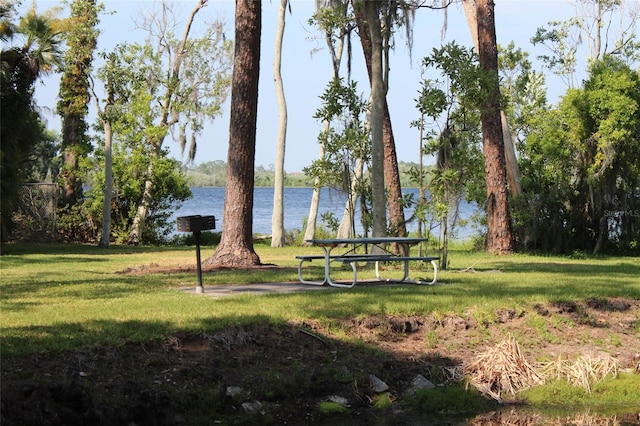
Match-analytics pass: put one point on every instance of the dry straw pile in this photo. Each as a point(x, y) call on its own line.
point(502, 371)
point(583, 371)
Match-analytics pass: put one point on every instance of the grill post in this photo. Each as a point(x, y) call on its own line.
point(197, 224)
point(199, 288)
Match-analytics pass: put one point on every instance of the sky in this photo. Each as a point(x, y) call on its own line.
point(306, 69)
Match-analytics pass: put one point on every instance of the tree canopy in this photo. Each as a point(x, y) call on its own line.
point(578, 157)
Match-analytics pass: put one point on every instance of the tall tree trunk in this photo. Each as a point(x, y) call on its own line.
point(236, 245)
point(277, 218)
point(310, 229)
point(421, 197)
point(336, 60)
point(103, 117)
point(137, 227)
point(511, 161)
point(105, 120)
point(108, 185)
point(378, 202)
point(71, 185)
point(348, 216)
point(74, 95)
point(499, 233)
point(397, 222)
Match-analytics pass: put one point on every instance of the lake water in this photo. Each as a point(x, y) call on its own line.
point(210, 201)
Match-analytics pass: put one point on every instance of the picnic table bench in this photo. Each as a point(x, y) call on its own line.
point(352, 258)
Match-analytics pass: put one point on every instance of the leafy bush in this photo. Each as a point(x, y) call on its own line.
point(129, 174)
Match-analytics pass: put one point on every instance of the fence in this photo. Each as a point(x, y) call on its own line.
point(35, 217)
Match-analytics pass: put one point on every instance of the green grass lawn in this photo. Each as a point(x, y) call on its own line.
point(57, 297)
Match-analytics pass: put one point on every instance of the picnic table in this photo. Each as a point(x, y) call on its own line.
point(352, 257)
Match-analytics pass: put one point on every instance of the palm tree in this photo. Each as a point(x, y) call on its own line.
point(20, 127)
point(40, 53)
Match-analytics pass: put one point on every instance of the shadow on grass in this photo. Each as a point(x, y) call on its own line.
point(625, 266)
point(287, 367)
point(291, 369)
point(100, 286)
point(551, 280)
point(84, 249)
point(146, 372)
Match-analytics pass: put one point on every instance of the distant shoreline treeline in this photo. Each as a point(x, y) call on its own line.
point(213, 174)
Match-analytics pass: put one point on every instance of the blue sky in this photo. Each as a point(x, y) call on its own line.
point(306, 69)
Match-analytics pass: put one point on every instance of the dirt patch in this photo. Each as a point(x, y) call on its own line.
point(279, 374)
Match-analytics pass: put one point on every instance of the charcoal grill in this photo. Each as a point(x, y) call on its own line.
point(196, 224)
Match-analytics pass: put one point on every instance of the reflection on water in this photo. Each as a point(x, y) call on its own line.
point(529, 416)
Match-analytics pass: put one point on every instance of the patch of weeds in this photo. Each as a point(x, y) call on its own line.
point(382, 401)
point(541, 326)
point(624, 389)
point(277, 386)
point(439, 374)
point(543, 358)
point(485, 318)
point(636, 324)
point(477, 338)
point(599, 343)
point(520, 335)
point(341, 375)
point(330, 324)
point(578, 255)
point(583, 338)
point(431, 339)
point(330, 407)
point(325, 380)
point(359, 343)
point(541, 310)
point(559, 321)
point(526, 339)
point(521, 311)
point(452, 399)
point(585, 318)
point(437, 316)
point(484, 333)
point(556, 392)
